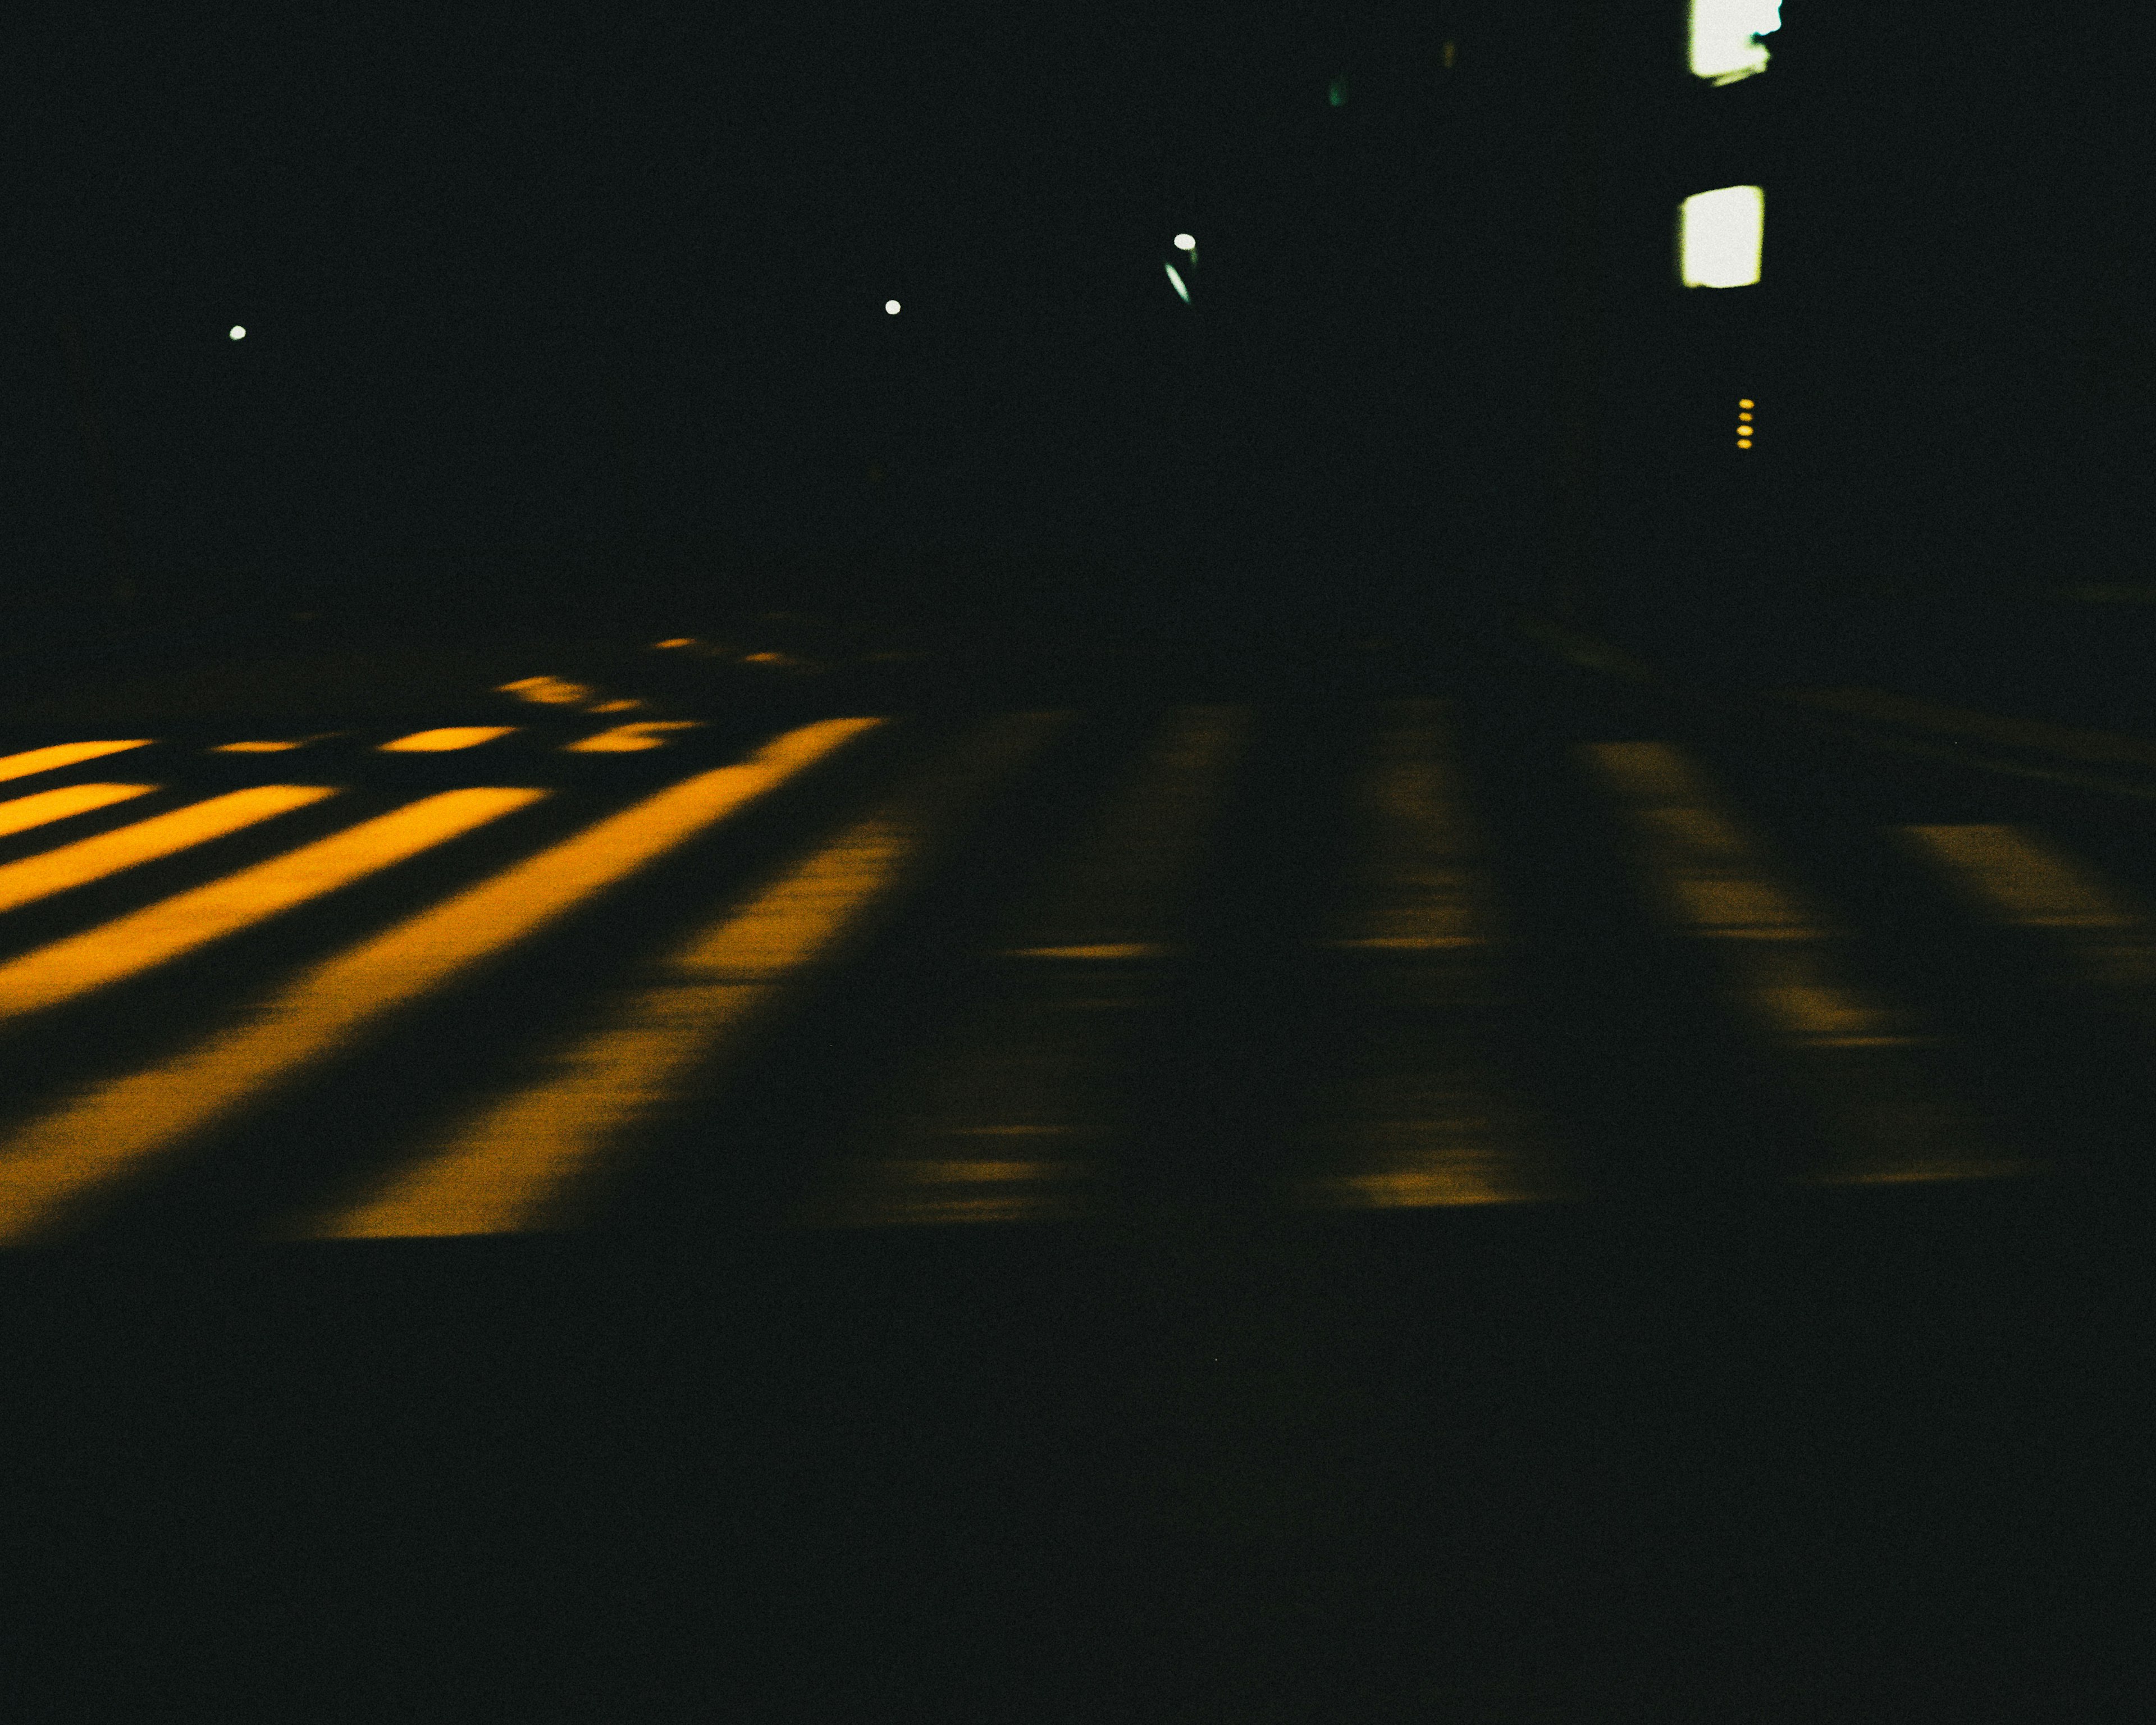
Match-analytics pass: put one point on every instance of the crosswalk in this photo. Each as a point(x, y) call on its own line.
point(173, 964)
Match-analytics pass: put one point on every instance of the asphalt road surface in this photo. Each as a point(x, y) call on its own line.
point(1404, 1179)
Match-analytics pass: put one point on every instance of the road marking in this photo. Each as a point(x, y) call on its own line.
point(1407, 942)
point(21, 814)
point(2016, 878)
point(626, 739)
point(31, 878)
point(2019, 879)
point(1711, 881)
point(159, 932)
point(1851, 1053)
point(60, 1155)
point(440, 742)
point(1419, 881)
point(272, 747)
point(1118, 894)
point(1040, 1059)
point(62, 754)
point(505, 1169)
point(1110, 953)
point(922, 1192)
point(548, 691)
point(1417, 1113)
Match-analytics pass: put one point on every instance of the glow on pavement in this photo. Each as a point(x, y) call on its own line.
point(73, 1149)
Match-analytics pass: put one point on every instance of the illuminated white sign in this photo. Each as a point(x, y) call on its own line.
point(1718, 237)
point(1725, 37)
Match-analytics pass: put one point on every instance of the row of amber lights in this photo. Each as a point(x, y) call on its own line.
point(1744, 424)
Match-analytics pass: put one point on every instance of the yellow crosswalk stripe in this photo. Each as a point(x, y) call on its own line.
point(1419, 881)
point(1787, 966)
point(1419, 1116)
point(1115, 896)
point(505, 1169)
point(62, 754)
point(19, 814)
point(2019, 878)
point(629, 739)
point(444, 739)
point(159, 932)
point(32, 878)
point(57, 1158)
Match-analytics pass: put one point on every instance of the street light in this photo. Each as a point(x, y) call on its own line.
point(1187, 245)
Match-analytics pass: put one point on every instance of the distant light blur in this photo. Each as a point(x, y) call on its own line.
point(1184, 242)
point(1176, 282)
point(547, 691)
point(444, 738)
point(1719, 234)
point(1724, 34)
point(238, 332)
point(892, 306)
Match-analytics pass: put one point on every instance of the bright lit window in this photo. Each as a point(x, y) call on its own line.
point(1718, 237)
point(1725, 37)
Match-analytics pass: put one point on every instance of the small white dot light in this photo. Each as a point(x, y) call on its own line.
point(892, 306)
point(238, 332)
point(1184, 242)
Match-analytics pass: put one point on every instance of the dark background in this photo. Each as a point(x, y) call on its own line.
point(552, 312)
point(542, 303)
point(530, 283)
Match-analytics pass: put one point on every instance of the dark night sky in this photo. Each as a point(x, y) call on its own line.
point(479, 252)
point(523, 274)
